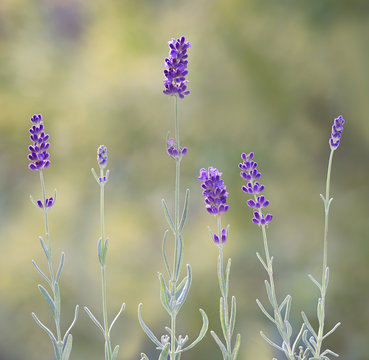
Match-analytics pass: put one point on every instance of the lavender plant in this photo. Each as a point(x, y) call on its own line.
point(215, 194)
point(102, 247)
point(173, 293)
point(39, 160)
point(281, 311)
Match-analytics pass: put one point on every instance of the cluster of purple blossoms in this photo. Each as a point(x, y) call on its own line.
point(176, 63)
point(336, 134)
point(39, 155)
point(174, 151)
point(215, 193)
point(250, 173)
point(49, 202)
point(102, 156)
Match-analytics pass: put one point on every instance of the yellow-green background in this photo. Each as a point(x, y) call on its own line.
point(265, 76)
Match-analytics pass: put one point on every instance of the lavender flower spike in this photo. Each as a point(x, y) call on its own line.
point(102, 156)
point(336, 134)
point(38, 149)
point(176, 63)
point(215, 191)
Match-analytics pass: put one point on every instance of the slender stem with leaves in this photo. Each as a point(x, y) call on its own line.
point(174, 292)
point(38, 157)
point(102, 247)
point(314, 340)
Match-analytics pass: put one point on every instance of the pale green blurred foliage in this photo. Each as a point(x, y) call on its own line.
point(265, 76)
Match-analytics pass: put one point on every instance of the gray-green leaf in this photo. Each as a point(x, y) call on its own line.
point(164, 353)
point(68, 348)
point(148, 332)
point(48, 298)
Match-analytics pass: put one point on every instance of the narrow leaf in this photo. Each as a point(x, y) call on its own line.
point(288, 308)
point(51, 335)
point(228, 270)
point(40, 271)
point(48, 298)
point(148, 332)
point(315, 282)
point(220, 276)
point(269, 292)
point(182, 297)
point(105, 249)
point(164, 295)
point(44, 247)
point(168, 217)
point(204, 329)
point(92, 317)
point(329, 352)
point(115, 353)
point(297, 338)
point(222, 315)
point(179, 255)
point(288, 328)
point(265, 312)
point(220, 344)
point(331, 331)
point(116, 317)
point(165, 255)
point(262, 261)
point(306, 342)
point(95, 175)
point(100, 251)
point(180, 286)
point(60, 267)
point(185, 211)
point(164, 353)
point(232, 319)
point(326, 275)
point(68, 348)
point(57, 300)
point(76, 311)
point(144, 357)
point(270, 342)
point(308, 325)
point(236, 347)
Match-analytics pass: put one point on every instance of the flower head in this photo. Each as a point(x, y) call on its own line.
point(102, 156)
point(250, 173)
point(215, 191)
point(336, 134)
point(174, 151)
point(176, 63)
point(38, 149)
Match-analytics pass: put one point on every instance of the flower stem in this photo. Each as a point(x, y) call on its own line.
point(325, 257)
point(54, 286)
point(103, 277)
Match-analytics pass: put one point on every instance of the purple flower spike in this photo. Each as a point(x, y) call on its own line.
point(38, 149)
point(250, 173)
point(175, 82)
point(336, 134)
point(102, 156)
point(215, 192)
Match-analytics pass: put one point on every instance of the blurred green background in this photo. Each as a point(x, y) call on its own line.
point(265, 76)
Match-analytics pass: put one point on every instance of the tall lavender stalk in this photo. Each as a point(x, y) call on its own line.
point(174, 293)
point(39, 158)
point(102, 247)
point(314, 342)
point(215, 193)
point(281, 311)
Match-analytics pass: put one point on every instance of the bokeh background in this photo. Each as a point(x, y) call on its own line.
point(265, 76)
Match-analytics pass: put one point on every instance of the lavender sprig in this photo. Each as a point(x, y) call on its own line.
point(174, 294)
point(281, 312)
point(39, 160)
point(314, 342)
point(215, 194)
point(102, 247)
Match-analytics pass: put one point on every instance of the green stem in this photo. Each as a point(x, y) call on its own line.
point(50, 265)
point(103, 277)
point(277, 313)
point(325, 256)
point(177, 257)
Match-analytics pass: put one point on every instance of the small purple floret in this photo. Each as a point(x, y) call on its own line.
point(174, 151)
point(223, 237)
point(214, 191)
point(336, 133)
point(175, 82)
point(38, 150)
point(261, 219)
point(48, 201)
point(102, 156)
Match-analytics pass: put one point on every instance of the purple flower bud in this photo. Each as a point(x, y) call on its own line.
point(215, 192)
point(102, 156)
point(336, 133)
point(216, 238)
point(172, 149)
point(40, 204)
point(50, 202)
point(38, 149)
point(176, 64)
point(224, 236)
